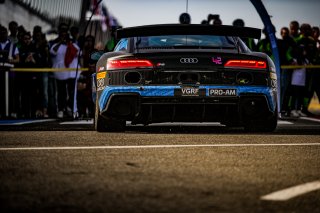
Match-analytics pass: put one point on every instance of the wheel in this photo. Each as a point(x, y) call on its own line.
point(107, 124)
point(231, 124)
point(268, 125)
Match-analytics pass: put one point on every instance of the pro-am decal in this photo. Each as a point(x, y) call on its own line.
point(223, 92)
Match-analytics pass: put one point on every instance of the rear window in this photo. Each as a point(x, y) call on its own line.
point(188, 41)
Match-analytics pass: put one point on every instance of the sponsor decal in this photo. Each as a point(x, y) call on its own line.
point(217, 60)
point(223, 92)
point(274, 83)
point(101, 88)
point(100, 69)
point(100, 82)
point(190, 91)
point(189, 60)
point(161, 64)
point(101, 75)
point(273, 75)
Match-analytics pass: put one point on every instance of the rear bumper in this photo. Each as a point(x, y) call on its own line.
point(148, 104)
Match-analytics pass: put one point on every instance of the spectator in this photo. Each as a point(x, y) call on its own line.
point(27, 91)
point(204, 22)
point(8, 49)
point(215, 19)
point(9, 53)
point(264, 45)
point(287, 52)
point(42, 58)
point(315, 35)
point(294, 30)
point(64, 55)
point(217, 22)
point(21, 32)
point(112, 41)
point(13, 28)
point(301, 78)
point(84, 97)
point(74, 33)
point(315, 78)
point(248, 41)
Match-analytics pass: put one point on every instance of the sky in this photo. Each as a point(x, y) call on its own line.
point(143, 12)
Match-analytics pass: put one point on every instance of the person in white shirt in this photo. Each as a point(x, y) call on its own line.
point(64, 54)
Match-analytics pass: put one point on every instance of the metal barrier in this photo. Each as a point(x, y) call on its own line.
point(47, 69)
point(10, 68)
point(300, 66)
point(6, 68)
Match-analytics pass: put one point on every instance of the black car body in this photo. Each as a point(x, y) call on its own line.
point(185, 73)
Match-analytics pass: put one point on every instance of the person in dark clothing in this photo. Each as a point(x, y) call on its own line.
point(27, 87)
point(286, 57)
point(248, 41)
point(42, 58)
point(84, 94)
point(306, 52)
point(9, 55)
point(315, 75)
point(13, 28)
point(288, 52)
point(315, 35)
point(294, 30)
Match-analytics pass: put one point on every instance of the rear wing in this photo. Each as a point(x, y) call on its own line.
point(188, 29)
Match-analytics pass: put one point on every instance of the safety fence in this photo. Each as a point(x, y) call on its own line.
point(46, 69)
point(7, 68)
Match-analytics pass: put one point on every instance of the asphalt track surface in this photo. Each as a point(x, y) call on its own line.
point(61, 166)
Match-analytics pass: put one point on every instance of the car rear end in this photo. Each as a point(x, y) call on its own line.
point(189, 83)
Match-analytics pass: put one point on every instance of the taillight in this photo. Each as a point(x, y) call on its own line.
point(246, 64)
point(128, 64)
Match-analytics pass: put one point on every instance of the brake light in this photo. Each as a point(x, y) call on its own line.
point(246, 64)
point(128, 64)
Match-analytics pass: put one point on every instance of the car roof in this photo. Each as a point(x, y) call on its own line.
point(188, 29)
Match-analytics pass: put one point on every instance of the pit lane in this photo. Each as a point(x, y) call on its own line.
point(166, 168)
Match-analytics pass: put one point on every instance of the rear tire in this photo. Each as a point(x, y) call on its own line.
point(268, 125)
point(107, 124)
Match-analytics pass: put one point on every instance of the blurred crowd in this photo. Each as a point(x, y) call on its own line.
point(299, 45)
point(65, 92)
point(44, 94)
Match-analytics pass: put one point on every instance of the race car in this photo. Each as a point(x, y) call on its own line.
point(185, 73)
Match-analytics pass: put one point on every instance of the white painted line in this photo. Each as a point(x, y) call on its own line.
point(128, 123)
point(78, 122)
point(198, 123)
point(310, 119)
point(187, 124)
point(21, 122)
point(292, 192)
point(284, 122)
point(154, 146)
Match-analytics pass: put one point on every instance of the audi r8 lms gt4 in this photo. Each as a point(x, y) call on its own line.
point(185, 73)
